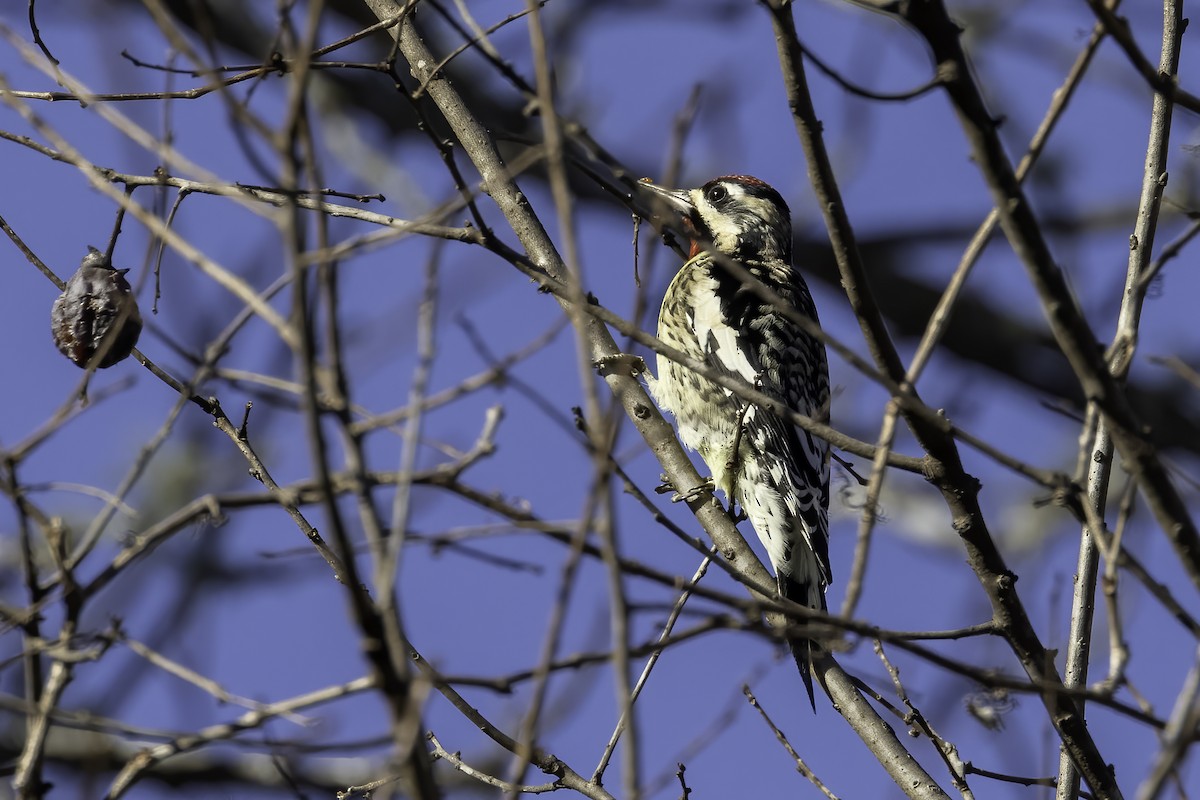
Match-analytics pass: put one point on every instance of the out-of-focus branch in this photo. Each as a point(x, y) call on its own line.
point(599, 511)
point(1177, 736)
point(91, 752)
point(27, 781)
point(147, 758)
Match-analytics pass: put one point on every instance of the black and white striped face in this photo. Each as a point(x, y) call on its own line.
point(741, 216)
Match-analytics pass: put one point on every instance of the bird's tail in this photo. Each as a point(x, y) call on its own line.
point(802, 649)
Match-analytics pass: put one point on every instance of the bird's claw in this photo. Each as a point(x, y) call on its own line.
point(705, 486)
point(634, 365)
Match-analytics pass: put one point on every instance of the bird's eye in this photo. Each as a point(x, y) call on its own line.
point(716, 194)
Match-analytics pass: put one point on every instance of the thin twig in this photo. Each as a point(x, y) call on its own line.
point(801, 766)
point(918, 722)
point(672, 618)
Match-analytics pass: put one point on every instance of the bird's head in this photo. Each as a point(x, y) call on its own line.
point(737, 215)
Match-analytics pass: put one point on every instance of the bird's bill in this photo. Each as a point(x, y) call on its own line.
point(675, 199)
point(678, 202)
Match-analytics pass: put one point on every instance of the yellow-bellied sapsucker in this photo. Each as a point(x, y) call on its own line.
point(777, 472)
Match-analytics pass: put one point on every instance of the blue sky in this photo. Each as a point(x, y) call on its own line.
point(270, 622)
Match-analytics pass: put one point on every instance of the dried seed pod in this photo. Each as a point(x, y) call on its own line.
point(97, 311)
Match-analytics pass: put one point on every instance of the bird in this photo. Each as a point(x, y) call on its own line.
point(777, 473)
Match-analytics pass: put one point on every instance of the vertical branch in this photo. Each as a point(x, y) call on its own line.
point(619, 614)
point(959, 489)
point(1116, 556)
point(1141, 244)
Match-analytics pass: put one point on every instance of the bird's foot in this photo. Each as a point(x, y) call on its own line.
point(705, 486)
point(621, 362)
